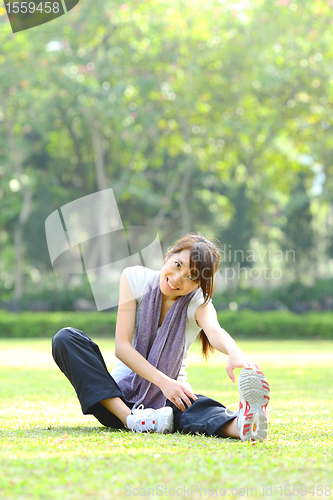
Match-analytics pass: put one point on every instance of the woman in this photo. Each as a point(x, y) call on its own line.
point(160, 314)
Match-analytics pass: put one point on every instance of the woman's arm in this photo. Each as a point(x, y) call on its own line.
point(173, 390)
point(220, 339)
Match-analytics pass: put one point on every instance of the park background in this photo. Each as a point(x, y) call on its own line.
point(203, 116)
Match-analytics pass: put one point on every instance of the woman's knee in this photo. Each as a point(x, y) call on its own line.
point(61, 338)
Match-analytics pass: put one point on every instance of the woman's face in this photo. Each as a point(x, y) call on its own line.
point(175, 279)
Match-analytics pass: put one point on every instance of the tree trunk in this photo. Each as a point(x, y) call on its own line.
point(99, 158)
point(104, 249)
point(16, 156)
point(166, 199)
point(77, 149)
point(18, 263)
point(188, 162)
point(183, 202)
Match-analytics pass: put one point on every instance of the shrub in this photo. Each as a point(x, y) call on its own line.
point(277, 324)
point(240, 324)
point(28, 324)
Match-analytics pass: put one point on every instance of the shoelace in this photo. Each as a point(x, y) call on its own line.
point(140, 407)
point(269, 408)
point(228, 407)
point(149, 420)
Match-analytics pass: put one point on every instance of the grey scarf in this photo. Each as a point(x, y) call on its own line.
point(165, 350)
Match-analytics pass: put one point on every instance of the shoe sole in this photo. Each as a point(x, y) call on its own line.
point(255, 395)
point(167, 427)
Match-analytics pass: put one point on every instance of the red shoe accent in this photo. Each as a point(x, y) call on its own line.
point(246, 429)
point(265, 385)
point(247, 408)
point(257, 410)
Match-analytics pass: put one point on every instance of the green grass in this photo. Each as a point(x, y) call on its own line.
point(49, 450)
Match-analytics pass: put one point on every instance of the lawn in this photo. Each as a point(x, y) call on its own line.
point(49, 450)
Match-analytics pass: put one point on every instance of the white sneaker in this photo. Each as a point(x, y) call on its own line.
point(254, 394)
point(148, 419)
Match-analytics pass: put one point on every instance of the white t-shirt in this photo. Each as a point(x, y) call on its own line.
point(138, 278)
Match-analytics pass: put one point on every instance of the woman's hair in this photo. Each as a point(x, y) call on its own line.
point(204, 262)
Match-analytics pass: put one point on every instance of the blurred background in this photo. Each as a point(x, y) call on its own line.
point(203, 116)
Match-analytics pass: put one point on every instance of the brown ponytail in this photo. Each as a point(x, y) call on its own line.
point(206, 347)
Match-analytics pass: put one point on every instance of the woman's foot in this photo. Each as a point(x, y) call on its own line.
point(254, 394)
point(145, 420)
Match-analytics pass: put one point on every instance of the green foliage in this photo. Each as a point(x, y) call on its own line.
point(298, 229)
point(241, 228)
point(205, 114)
point(56, 296)
point(277, 325)
point(294, 296)
point(35, 325)
point(241, 325)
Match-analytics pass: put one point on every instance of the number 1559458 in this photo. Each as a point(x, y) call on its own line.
point(295, 490)
point(31, 7)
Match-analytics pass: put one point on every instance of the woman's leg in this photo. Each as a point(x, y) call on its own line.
point(209, 417)
point(117, 407)
point(230, 429)
point(205, 416)
point(80, 359)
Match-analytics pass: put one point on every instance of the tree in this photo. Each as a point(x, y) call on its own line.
point(298, 228)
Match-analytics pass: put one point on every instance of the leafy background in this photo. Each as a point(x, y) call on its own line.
point(204, 116)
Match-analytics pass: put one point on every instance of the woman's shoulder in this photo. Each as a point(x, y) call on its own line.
point(138, 278)
point(197, 298)
point(196, 301)
point(139, 271)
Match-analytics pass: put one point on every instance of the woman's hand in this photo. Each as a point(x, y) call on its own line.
point(177, 393)
point(237, 359)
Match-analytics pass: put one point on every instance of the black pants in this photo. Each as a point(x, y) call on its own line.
point(80, 359)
